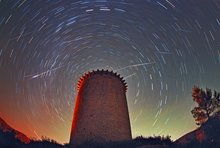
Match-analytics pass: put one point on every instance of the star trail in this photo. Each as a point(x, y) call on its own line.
point(161, 47)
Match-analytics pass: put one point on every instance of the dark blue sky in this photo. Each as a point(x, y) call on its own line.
point(161, 47)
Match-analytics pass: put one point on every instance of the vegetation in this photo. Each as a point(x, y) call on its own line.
point(208, 104)
point(8, 140)
point(137, 142)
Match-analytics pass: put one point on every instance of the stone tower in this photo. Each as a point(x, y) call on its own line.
point(101, 111)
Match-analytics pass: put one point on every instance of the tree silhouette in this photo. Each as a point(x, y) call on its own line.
point(208, 104)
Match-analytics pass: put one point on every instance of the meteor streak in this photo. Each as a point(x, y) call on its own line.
point(135, 65)
point(43, 73)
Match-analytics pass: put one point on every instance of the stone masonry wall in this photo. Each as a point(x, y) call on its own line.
point(101, 112)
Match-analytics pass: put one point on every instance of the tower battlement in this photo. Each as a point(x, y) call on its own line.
point(88, 75)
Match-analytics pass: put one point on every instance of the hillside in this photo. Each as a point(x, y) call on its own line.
point(8, 134)
point(206, 135)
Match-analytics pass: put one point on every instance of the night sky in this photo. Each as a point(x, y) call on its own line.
point(161, 47)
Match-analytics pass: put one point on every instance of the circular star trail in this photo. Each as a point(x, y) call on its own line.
point(161, 48)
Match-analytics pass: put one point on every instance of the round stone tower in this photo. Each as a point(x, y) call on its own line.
point(101, 111)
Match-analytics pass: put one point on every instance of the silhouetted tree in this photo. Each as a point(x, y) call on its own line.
point(208, 104)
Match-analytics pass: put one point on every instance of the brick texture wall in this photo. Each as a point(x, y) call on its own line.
point(101, 112)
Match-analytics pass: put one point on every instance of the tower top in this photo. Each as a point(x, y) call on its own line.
point(90, 74)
